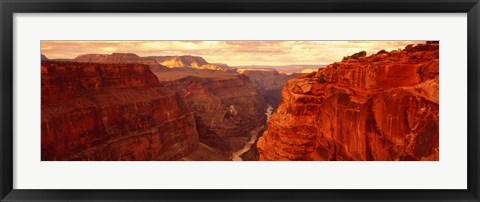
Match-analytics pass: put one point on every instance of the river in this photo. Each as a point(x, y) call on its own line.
point(269, 111)
point(253, 137)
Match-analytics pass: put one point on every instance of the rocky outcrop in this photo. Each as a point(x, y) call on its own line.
point(379, 107)
point(129, 58)
point(188, 61)
point(306, 71)
point(43, 58)
point(94, 111)
point(269, 82)
point(355, 56)
point(226, 108)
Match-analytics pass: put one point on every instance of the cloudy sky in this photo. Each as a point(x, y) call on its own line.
point(233, 53)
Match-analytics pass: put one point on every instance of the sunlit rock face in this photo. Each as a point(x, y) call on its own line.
point(129, 58)
point(379, 107)
point(188, 61)
point(99, 111)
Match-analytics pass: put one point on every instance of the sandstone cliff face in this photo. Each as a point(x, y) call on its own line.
point(380, 107)
point(128, 58)
point(93, 111)
point(269, 82)
point(226, 108)
point(188, 61)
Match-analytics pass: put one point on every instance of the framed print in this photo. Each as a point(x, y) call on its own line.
point(239, 101)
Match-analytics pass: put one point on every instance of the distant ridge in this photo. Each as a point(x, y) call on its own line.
point(188, 61)
point(128, 58)
point(288, 69)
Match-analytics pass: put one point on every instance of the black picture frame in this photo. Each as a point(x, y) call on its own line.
point(9, 7)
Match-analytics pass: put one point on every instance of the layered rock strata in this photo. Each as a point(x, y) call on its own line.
point(379, 107)
point(95, 111)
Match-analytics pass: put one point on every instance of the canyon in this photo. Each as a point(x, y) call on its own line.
point(380, 107)
point(218, 109)
point(227, 108)
point(121, 111)
point(124, 107)
point(230, 108)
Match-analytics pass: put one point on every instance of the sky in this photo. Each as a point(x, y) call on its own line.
point(233, 53)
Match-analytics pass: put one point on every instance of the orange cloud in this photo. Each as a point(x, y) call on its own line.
point(233, 53)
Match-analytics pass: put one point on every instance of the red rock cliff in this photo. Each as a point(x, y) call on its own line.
point(380, 107)
point(93, 111)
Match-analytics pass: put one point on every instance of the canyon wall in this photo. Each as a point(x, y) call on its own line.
point(379, 107)
point(269, 82)
point(226, 108)
point(100, 111)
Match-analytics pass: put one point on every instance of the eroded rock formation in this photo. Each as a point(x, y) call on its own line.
point(379, 107)
point(96, 111)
